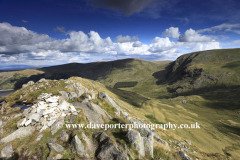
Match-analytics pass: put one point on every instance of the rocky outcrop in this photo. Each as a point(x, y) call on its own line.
point(183, 155)
point(78, 147)
point(19, 133)
point(48, 112)
point(7, 152)
point(107, 149)
point(103, 95)
point(55, 147)
point(91, 115)
point(64, 136)
point(134, 138)
point(30, 83)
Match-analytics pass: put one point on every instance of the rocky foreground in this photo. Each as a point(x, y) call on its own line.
point(45, 120)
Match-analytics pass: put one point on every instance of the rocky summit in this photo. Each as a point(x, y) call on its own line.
point(48, 115)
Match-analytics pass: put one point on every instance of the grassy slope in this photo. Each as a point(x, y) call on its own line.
point(214, 103)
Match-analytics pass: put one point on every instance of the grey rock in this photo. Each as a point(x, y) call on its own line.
point(78, 147)
point(63, 106)
point(134, 138)
point(111, 152)
point(188, 142)
point(35, 116)
point(183, 155)
point(93, 95)
point(91, 115)
point(42, 80)
point(19, 133)
point(64, 136)
point(7, 152)
point(55, 147)
point(39, 137)
point(79, 91)
point(148, 145)
point(73, 95)
point(88, 97)
point(91, 147)
point(72, 119)
point(103, 95)
point(98, 110)
point(57, 157)
point(183, 101)
point(28, 84)
point(108, 150)
point(52, 140)
point(64, 95)
point(56, 126)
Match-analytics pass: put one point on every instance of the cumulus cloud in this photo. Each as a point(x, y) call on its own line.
point(137, 44)
point(128, 7)
point(161, 44)
point(223, 27)
point(11, 35)
point(60, 29)
point(171, 32)
point(123, 39)
point(20, 45)
point(193, 36)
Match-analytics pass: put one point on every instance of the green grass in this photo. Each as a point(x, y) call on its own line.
point(125, 84)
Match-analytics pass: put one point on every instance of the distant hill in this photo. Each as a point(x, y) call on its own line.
point(108, 73)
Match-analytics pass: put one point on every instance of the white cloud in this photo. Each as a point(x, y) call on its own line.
point(24, 21)
point(82, 47)
point(171, 32)
point(121, 39)
point(225, 27)
point(161, 44)
point(11, 35)
point(193, 36)
point(137, 44)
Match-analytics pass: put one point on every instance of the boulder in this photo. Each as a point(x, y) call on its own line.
point(64, 95)
point(57, 125)
point(53, 99)
point(28, 84)
point(73, 95)
point(35, 117)
point(42, 105)
point(19, 133)
point(98, 109)
point(7, 152)
point(107, 149)
point(183, 155)
point(78, 147)
point(91, 115)
point(91, 147)
point(64, 136)
point(63, 106)
point(134, 138)
point(55, 147)
point(57, 157)
point(111, 152)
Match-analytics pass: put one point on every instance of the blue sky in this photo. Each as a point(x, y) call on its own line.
point(50, 32)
